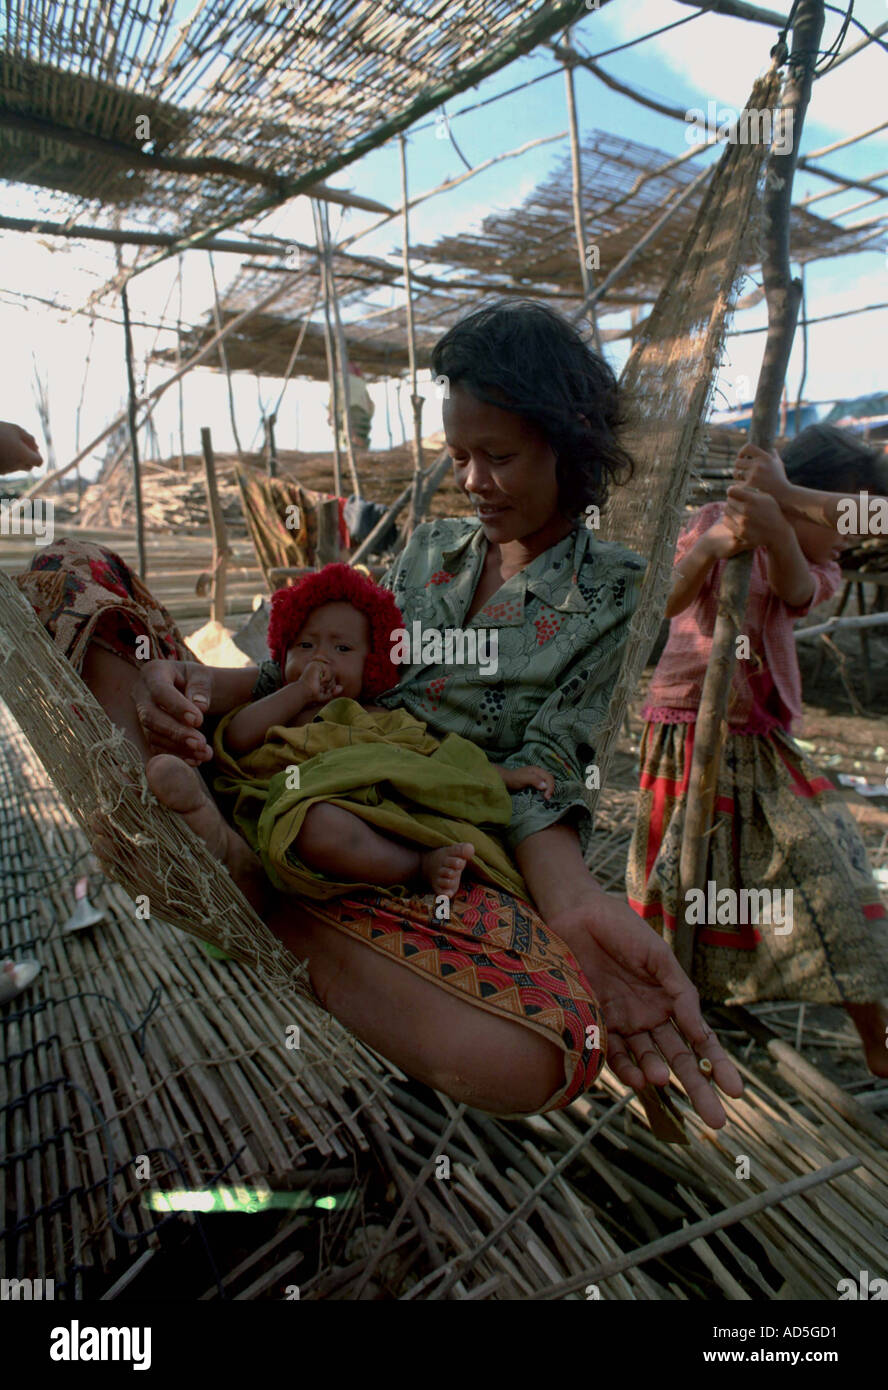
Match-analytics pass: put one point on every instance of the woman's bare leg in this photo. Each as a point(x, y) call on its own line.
point(871, 1022)
point(111, 680)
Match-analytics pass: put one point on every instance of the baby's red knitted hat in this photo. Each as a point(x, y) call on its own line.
point(339, 583)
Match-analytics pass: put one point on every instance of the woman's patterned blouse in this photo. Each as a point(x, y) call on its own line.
point(560, 625)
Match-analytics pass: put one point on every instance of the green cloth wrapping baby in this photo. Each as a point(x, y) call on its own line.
point(336, 795)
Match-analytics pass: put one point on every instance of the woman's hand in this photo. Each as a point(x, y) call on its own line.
point(645, 999)
point(18, 449)
point(171, 698)
point(763, 469)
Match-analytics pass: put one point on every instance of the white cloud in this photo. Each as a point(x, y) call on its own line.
point(718, 57)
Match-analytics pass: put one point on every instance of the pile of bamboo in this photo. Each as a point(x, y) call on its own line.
point(171, 501)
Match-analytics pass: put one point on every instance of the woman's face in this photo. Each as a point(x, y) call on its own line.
point(504, 464)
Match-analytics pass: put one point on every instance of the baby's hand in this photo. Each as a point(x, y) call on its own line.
point(762, 469)
point(318, 683)
point(517, 777)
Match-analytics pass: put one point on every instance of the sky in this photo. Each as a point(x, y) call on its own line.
point(710, 58)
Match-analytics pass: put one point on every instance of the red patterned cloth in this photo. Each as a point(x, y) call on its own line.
point(495, 953)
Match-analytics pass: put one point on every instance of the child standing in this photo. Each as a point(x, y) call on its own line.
point(375, 799)
point(779, 824)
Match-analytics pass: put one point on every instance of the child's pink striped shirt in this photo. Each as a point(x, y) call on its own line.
point(677, 682)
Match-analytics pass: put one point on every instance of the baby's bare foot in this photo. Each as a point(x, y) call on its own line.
point(180, 788)
point(442, 869)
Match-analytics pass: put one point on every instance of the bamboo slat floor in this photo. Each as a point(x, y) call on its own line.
point(132, 1042)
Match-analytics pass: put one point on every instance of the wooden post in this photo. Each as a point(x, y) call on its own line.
point(577, 181)
point(328, 349)
point(415, 398)
point(178, 366)
point(270, 445)
point(341, 353)
point(223, 357)
point(783, 295)
point(803, 378)
point(217, 524)
point(328, 532)
point(133, 434)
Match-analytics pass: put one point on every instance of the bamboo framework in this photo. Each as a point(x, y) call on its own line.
point(211, 122)
point(634, 186)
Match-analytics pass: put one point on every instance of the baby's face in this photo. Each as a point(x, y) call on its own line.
point(338, 633)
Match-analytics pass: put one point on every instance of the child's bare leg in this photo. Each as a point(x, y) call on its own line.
point(341, 844)
point(871, 1022)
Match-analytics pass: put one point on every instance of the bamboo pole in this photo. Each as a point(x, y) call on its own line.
point(297, 348)
point(122, 237)
point(584, 1138)
point(804, 374)
point(223, 357)
point(586, 277)
point(332, 371)
point(221, 550)
point(179, 164)
point(133, 434)
point(181, 396)
point(821, 318)
point(415, 398)
point(431, 479)
point(341, 352)
point(868, 620)
point(783, 295)
point(159, 390)
point(849, 140)
point(687, 1234)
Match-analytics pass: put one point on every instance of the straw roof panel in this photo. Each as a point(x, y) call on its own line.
point(279, 91)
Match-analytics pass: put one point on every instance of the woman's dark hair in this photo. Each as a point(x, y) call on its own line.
point(522, 356)
point(833, 460)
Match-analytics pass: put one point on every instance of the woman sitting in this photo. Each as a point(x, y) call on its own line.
point(500, 1007)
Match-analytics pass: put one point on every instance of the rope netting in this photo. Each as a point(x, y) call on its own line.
point(97, 771)
point(669, 380)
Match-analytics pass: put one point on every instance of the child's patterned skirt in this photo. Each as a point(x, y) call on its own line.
point(781, 826)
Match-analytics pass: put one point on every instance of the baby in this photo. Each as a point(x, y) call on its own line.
point(331, 637)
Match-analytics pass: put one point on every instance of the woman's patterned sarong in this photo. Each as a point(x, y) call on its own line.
point(494, 951)
point(779, 825)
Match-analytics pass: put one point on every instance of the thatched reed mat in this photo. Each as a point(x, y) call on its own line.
point(209, 1079)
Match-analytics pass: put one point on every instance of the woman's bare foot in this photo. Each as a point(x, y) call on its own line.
point(871, 1022)
point(442, 869)
point(180, 788)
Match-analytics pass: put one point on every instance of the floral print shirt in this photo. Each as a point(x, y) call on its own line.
point(560, 624)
